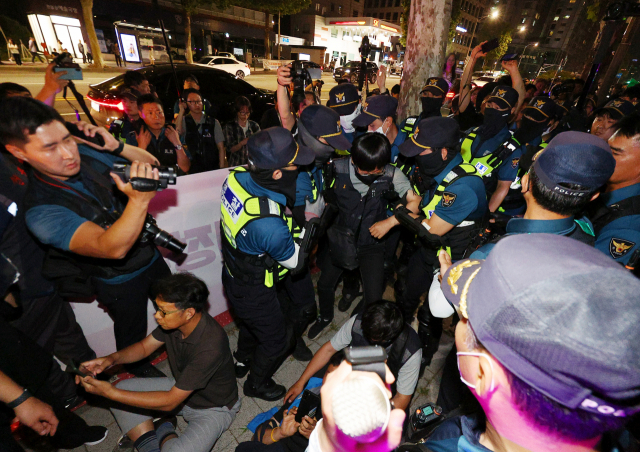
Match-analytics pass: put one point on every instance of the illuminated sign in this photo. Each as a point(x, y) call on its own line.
point(353, 22)
point(461, 29)
point(384, 27)
point(376, 22)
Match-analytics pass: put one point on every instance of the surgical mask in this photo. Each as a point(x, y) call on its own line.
point(367, 179)
point(379, 130)
point(346, 121)
point(431, 106)
point(472, 386)
point(494, 121)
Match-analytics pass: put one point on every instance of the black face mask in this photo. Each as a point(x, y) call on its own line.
point(431, 106)
point(494, 121)
point(365, 179)
point(430, 165)
point(286, 185)
point(529, 130)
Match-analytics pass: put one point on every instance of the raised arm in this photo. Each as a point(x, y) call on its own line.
point(516, 80)
point(287, 117)
point(465, 81)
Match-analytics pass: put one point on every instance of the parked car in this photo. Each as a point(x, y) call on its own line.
point(396, 68)
point(351, 71)
point(218, 87)
point(230, 65)
point(227, 55)
point(308, 64)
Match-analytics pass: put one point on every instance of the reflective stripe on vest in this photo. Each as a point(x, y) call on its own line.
point(487, 164)
point(462, 170)
point(409, 125)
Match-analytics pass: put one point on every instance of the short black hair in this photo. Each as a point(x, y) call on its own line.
point(186, 93)
point(632, 92)
point(240, 102)
point(529, 86)
point(557, 202)
point(133, 78)
point(21, 116)
point(185, 290)
point(191, 78)
point(382, 321)
point(8, 89)
point(629, 126)
point(395, 89)
point(148, 99)
point(337, 358)
point(371, 151)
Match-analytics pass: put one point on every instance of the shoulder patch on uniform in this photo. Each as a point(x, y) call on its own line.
point(448, 199)
point(274, 207)
point(514, 162)
point(620, 247)
point(411, 120)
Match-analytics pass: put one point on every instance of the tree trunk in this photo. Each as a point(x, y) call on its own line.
point(87, 15)
point(424, 54)
point(187, 30)
point(623, 48)
point(267, 32)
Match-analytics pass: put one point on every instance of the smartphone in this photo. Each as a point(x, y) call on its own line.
point(74, 369)
point(309, 405)
point(510, 56)
point(72, 73)
point(490, 45)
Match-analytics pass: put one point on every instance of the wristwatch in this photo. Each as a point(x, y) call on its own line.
point(24, 396)
point(178, 147)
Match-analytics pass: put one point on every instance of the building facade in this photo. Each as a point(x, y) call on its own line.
point(388, 10)
point(473, 12)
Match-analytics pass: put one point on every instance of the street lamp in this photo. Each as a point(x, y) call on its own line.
point(534, 44)
point(493, 15)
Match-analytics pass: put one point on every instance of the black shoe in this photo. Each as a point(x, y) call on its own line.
point(269, 391)
point(75, 402)
point(145, 370)
point(345, 302)
point(302, 352)
point(89, 436)
point(241, 369)
point(319, 325)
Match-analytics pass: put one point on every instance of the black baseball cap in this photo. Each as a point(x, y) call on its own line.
point(323, 122)
point(275, 148)
point(619, 108)
point(129, 93)
point(575, 158)
point(541, 108)
point(344, 98)
point(436, 85)
point(505, 96)
point(376, 107)
point(560, 315)
point(436, 132)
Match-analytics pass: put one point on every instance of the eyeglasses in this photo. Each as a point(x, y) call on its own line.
point(164, 313)
point(244, 113)
point(196, 102)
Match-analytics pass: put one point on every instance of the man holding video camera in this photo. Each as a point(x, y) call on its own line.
point(93, 237)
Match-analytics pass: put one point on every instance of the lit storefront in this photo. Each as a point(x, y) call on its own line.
point(58, 26)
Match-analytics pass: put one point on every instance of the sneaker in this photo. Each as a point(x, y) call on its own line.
point(241, 369)
point(95, 434)
point(75, 402)
point(89, 436)
point(269, 391)
point(319, 325)
point(302, 352)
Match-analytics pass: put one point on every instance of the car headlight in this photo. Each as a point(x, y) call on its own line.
point(347, 70)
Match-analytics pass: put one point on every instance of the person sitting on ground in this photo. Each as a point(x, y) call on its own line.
point(536, 348)
point(382, 324)
point(202, 388)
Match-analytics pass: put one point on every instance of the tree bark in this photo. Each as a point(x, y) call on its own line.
point(87, 15)
point(187, 29)
point(267, 32)
point(424, 55)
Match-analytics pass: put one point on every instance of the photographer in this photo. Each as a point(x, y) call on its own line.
point(70, 205)
point(290, 109)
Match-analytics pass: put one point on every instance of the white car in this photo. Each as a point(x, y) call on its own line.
point(230, 65)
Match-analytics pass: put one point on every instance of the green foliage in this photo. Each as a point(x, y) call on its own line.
point(593, 10)
point(456, 17)
point(495, 29)
point(549, 75)
point(14, 30)
point(404, 21)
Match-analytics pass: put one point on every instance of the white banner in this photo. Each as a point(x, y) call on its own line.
point(273, 65)
point(190, 211)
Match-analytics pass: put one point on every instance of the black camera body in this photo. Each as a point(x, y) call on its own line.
point(64, 62)
point(168, 175)
point(152, 233)
point(423, 420)
point(301, 77)
point(365, 47)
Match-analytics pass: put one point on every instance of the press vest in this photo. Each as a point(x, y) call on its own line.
point(359, 213)
point(68, 268)
point(239, 208)
point(201, 145)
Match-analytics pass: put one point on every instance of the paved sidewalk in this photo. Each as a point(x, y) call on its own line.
point(287, 375)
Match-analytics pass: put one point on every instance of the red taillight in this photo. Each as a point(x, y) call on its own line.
point(106, 103)
point(450, 95)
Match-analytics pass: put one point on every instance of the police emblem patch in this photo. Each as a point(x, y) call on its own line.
point(620, 247)
point(339, 97)
point(448, 199)
point(433, 81)
point(501, 92)
point(540, 103)
point(514, 162)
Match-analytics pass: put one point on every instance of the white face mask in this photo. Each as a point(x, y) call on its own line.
point(347, 121)
point(458, 354)
point(378, 130)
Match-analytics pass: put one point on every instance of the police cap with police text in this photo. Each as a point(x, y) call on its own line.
point(436, 85)
point(541, 108)
point(324, 122)
point(275, 148)
point(505, 96)
point(560, 315)
point(436, 132)
point(344, 98)
point(376, 107)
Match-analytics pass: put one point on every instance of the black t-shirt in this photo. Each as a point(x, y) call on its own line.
point(202, 363)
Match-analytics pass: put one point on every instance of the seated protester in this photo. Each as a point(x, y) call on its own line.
point(158, 139)
point(381, 323)
point(191, 82)
point(137, 82)
point(615, 215)
point(283, 429)
point(201, 133)
point(345, 100)
point(202, 387)
point(122, 127)
point(432, 98)
point(544, 381)
point(359, 191)
point(238, 131)
point(379, 114)
point(506, 196)
point(604, 124)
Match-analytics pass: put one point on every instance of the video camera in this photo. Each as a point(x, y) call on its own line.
point(300, 75)
point(168, 175)
point(151, 232)
point(64, 62)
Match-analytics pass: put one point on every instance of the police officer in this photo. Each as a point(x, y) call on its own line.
point(616, 214)
point(258, 247)
point(201, 133)
point(344, 99)
point(604, 123)
point(128, 123)
point(453, 203)
point(379, 115)
point(432, 98)
point(507, 197)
